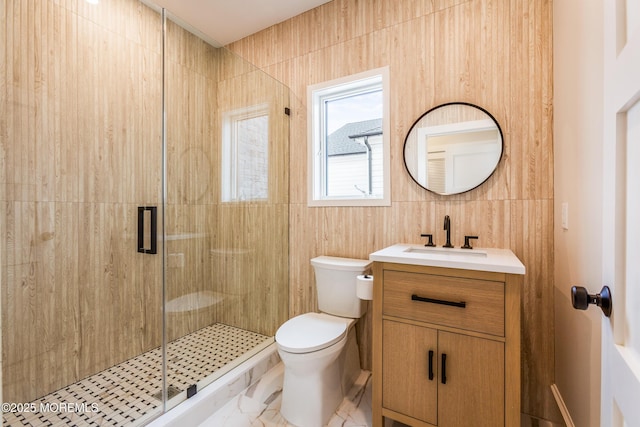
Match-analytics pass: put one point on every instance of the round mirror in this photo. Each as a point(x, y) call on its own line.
point(453, 148)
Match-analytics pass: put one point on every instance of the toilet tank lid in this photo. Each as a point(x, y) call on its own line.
point(337, 263)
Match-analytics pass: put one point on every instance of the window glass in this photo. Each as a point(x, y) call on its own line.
point(245, 155)
point(349, 149)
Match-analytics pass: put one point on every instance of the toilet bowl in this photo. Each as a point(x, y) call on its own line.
point(313, 369)
point(319, 350)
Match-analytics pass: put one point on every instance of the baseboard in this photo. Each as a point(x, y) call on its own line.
point(561, 406)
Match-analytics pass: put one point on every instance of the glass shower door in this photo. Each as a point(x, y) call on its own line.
point(226, 211)
point(81, 121)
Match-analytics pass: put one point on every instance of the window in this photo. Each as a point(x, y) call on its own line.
point(245, 154)
point(349, 141)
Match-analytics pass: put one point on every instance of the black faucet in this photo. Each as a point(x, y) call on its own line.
point(447, 227)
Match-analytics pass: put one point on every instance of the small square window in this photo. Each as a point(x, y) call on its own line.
point(349, 141)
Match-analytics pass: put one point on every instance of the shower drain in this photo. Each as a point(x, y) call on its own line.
point(171, 391)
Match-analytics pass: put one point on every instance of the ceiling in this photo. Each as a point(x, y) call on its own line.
point(224, 21)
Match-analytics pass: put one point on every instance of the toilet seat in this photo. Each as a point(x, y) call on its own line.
point(311, 332)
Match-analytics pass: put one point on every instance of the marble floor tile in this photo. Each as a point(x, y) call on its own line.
point(259, 405)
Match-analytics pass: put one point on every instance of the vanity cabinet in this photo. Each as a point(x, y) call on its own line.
point(446, 346)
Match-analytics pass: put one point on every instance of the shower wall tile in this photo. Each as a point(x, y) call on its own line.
point(20, 167)
point(63, 92)
point(191, 137)
point(82, 106)
point(189, 276)
point(57, 297)
point(250, 265)
point(119, 308)
point(118, 147)
point(19, 282)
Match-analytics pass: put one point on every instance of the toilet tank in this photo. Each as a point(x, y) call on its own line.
point(336, 285)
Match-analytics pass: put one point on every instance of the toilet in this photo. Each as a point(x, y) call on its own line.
point(319, 350)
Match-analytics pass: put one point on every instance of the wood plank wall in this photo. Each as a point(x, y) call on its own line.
point(493, 53)
point(80, 150)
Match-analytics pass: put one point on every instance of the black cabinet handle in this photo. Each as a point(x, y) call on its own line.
point(153, 249)
point(460, 304)
point(444, 369)
point(430, 365)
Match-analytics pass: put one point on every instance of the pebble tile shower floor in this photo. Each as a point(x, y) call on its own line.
point(124, 393)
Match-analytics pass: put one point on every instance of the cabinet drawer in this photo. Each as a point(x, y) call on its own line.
point(470, 304)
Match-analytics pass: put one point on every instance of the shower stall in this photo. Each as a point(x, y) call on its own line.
point(144, 211)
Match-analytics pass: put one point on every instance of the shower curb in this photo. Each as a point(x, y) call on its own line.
point(205, 403)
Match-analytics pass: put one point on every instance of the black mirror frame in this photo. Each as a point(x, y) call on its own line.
point(404, 145)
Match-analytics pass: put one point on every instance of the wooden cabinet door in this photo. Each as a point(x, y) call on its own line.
point(406, 354)
point(473, 392)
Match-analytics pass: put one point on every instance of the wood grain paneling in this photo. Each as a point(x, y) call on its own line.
point(492, 53)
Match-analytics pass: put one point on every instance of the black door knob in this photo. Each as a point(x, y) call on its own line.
point(580, 299)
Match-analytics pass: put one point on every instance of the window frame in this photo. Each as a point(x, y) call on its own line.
point(316, 142)
point(230, 157)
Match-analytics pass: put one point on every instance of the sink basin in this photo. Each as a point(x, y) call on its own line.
point(446, 251)
point(479, 259)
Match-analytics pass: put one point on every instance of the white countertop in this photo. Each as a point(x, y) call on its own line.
point(480, 259)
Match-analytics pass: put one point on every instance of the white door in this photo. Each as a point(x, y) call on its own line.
point(621, 214)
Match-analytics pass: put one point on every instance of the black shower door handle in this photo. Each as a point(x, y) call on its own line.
point(153, 230)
